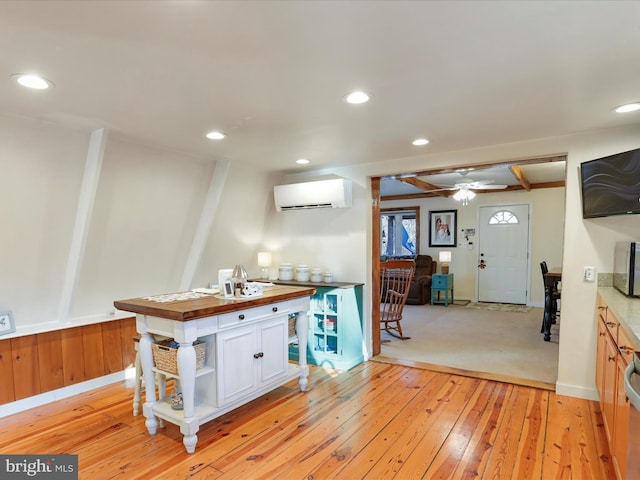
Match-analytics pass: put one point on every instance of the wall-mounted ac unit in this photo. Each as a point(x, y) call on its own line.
point(320, 194)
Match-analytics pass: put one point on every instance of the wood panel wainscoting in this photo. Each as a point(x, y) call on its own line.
point(375, 421)
point(42, 362)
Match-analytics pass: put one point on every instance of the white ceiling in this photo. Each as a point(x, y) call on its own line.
point(272, 74)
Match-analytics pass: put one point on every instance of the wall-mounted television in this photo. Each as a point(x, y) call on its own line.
point(611, 185)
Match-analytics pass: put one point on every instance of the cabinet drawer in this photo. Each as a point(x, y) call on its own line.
point(440, 281)
point(250, 315)
point(625, 346)
point(613, 325)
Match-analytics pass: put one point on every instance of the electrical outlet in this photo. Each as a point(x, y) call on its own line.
point(589, 274)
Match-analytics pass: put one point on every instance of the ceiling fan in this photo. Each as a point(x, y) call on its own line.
point(469, 184)
point(466, 186)
point(466, 183)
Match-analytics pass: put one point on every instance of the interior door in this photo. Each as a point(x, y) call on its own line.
point(503, 254)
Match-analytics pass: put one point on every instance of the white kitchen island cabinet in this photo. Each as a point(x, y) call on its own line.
point(246, 351)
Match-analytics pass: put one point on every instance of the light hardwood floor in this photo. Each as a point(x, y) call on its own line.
point(376, 421)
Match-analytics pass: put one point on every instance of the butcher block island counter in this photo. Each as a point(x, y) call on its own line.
point(246, 353)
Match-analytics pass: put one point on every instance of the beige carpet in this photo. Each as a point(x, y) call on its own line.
point(489, 341)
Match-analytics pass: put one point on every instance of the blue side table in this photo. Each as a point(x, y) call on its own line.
point(442, 283)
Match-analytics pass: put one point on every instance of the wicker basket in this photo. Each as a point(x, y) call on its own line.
point(165, 357)
point(292, 326)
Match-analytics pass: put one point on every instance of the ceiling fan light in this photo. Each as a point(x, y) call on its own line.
point(464, 195)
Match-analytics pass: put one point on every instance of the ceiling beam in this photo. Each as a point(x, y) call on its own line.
point(426, 186)
point(520, 176)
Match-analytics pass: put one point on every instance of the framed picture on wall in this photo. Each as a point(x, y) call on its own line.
point(443, 225)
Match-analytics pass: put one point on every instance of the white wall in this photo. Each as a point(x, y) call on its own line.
point(587, 243)
point(41, 170)
point(148, 204)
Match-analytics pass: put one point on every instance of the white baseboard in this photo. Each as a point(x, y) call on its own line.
point(577, 391)
point(54, 395)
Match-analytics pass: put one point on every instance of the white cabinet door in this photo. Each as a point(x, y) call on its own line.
point(236, 369)
point(251, 357)
point(274, 362)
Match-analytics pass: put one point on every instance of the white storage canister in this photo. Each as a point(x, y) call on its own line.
point(285, 272)
point(302, 273)
point(316, 275)
point(328, 277)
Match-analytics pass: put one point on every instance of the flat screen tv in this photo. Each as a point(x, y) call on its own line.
point(611, 185)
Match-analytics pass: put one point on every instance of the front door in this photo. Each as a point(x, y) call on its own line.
point(503, 246)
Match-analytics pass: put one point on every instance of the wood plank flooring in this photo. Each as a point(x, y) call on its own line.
point(376, 421)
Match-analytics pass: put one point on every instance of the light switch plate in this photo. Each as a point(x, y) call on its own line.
point(6, 323)
point(589, 274)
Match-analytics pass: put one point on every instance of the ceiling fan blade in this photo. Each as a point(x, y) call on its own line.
point(443, 189)
point(488, 187)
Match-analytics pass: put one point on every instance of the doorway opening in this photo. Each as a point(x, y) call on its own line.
point(502, 216)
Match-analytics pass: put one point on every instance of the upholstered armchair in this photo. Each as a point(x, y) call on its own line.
point(420, 290)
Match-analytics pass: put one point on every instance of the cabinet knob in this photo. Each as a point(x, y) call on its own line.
point(274, 309)
point(241, 317)
point(600, 307)
point(611, 324)
point(611, 358)
point(258, 355)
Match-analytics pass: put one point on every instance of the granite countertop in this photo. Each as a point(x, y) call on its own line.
point(626, 310)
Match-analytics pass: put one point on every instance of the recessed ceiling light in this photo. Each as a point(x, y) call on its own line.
point(629, 107)
point(302, 161)
point(215, 135)
point(357, 97)
point(420, 141)
point(32, 81)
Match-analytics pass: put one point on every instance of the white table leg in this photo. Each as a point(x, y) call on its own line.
point(146, 359)
point(302, 330)
point(187, 371)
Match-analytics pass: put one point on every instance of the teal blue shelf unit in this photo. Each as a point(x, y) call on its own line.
point(335, 327)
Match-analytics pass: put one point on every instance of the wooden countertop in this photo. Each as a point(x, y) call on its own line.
point(626, 310)
point(210, 305)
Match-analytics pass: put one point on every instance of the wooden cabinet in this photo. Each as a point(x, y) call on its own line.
point(614, 353)
point(442, 283)
point(335, 330)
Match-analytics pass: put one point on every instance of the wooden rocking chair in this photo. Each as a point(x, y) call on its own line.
point(395, 280)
